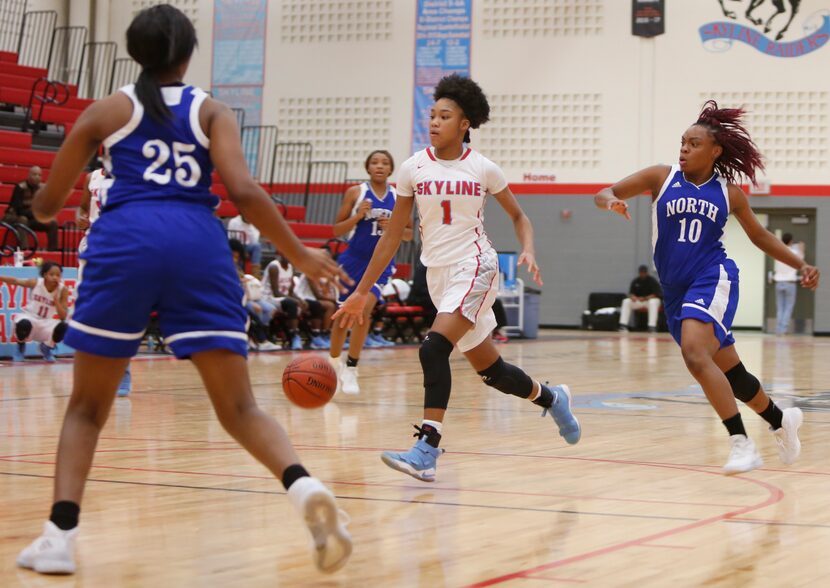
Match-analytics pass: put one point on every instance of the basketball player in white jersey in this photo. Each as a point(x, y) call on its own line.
point(95, 196)
point(450, 182)
point(47, 297)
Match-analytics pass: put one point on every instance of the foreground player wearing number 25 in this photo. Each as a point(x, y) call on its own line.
point(691, 202)
point(158, 246)
point(450, 181)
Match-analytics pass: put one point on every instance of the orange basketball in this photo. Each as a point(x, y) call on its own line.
point(309, 381)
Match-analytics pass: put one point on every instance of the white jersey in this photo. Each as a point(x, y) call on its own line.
point(284, 277)
point(98, 185)
point(40, 301)
point(450, 196)
point(302, 288)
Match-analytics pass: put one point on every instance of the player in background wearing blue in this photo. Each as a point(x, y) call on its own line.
point(363, 215)
point(691, 202)
point(158, 245)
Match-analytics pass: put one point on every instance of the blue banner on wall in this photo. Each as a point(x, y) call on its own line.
point(239, 28)
point(719, 36)
point(14, 298)
point(442, 47)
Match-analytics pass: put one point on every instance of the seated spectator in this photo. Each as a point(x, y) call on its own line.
point(278, 282)
point(37, 322)
point(20, 210)
point(253, 247)
point(644, 292)
point(319, 311)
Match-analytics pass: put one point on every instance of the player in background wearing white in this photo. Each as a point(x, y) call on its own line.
point(450, 182)
point(363, 216)
point(278, 280)
point(94, 195)
point(159, 244)
point(48, 296)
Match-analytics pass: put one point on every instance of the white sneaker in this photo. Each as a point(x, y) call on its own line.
point(789, 445)
point(337, 364)
point(51, 553)
point(743, 457)
point(348, 378)
point(268, 346)
point(332, 542)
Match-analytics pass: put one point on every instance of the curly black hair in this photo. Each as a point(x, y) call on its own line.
point(469, 97)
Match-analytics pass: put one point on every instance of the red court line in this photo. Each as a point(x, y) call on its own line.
point(775, 496)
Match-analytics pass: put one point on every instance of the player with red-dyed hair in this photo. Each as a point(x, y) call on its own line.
point(691, 202)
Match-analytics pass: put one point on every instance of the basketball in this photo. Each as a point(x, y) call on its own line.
point(309, 382)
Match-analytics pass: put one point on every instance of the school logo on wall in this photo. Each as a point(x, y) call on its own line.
point(765, 25)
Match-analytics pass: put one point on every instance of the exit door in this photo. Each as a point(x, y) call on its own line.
point(801, 223)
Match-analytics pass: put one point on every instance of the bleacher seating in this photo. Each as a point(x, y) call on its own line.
point(17, 155)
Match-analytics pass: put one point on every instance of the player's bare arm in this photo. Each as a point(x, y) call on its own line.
point(649, 179)
point(524, 232)
point(764, 240)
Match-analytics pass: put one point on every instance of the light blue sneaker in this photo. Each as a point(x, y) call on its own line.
point(371, 342)
point(318, 343)
point(419, 462)
point(126, 384)
point(564, 418)
point(46, 352)
point(296, 342)
point(17, 352)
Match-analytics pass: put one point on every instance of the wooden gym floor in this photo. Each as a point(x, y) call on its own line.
point(172, 501)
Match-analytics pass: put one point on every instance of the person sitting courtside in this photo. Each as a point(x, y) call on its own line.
point(644, 293)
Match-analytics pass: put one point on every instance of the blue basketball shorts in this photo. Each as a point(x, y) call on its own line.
point(171, 258)
point(711, 298)
point(355, 267)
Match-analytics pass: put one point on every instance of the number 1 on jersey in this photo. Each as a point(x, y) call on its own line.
point(445, 204)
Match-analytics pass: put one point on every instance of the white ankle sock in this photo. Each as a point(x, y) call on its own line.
point(434, 424)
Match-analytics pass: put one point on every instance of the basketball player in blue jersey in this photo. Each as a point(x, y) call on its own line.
point(691, 202)
point(363, 216)
point(450, 182)
point(158, 246)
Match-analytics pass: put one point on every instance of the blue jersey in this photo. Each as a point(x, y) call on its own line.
point(687, 225)
point(366, 233)
point(150, 160)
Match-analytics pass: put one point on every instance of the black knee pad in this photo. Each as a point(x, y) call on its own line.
point(745, 386)
point(23, 329)
point(315, 309)
point(59, 332)
point(290, 307)
point(435, 360)
point(508, 379)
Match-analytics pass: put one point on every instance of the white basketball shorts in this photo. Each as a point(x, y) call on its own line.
point(42, 328)
point(470, 286)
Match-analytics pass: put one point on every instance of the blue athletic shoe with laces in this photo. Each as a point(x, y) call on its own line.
point(419, 462)
point(46, 352)
point(126, 384)
point(562, 414)
point(296, 342)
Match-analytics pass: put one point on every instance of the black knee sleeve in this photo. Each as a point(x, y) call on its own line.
point(59, 332)
point(290, 307)
point(507, 378)
point(745, 386)
point(22, 329)
point(315, 309)
point(435, 361)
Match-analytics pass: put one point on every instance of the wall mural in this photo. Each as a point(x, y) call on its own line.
point(767, 17)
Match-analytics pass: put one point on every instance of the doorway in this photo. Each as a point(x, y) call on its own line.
point(801, 224)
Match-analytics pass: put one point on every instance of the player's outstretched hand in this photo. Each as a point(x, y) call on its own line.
point(620, 207)
point(317, 264)
point(529, 259)
point(351, 311)
point(810, 277)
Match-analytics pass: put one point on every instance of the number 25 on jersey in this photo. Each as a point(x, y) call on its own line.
point(187, 174)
